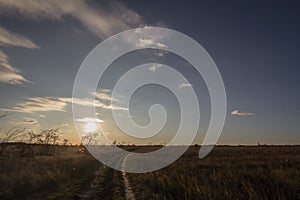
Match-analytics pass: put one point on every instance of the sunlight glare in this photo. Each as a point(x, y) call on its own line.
point(90, 127)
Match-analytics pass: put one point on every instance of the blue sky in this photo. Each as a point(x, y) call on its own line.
point(255, 45)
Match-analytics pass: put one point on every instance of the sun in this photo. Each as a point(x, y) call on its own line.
point(90, 127)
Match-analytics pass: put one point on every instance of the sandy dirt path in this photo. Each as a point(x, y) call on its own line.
point(128, 191)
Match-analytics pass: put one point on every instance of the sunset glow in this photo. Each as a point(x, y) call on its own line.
point(90, 127)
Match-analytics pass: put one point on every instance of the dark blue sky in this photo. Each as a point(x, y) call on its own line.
point(255, 45)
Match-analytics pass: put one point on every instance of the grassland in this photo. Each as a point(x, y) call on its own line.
point(37, 176)
point(226, 173)
point(65, 172)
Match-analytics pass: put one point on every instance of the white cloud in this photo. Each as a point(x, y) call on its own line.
point(40, 104)
point(142, 39)
point(8, 73)
point(92, 102)
point(90, 120)
point(154, 67)
point(241, 113)
point(102, 22)
point(11, 77)
point(182, 85)
point(105, 95)
point(43, 104)
point(8, 38)
point(143, 43)
point(25, 121)
point(160, 53)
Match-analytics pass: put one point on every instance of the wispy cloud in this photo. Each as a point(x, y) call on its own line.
point(102, 22)
point(160, 53)
point(25, 121)
point(154, 67)
point(92, 102)
point(43, 104)
point(90, 120)
point(8, 73)
point(8, 38)
point(143, 43)
point(241, 113)
point(183, 85)
point(105, 95)
point(143, 39)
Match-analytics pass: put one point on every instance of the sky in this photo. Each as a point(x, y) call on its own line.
point(255, 45)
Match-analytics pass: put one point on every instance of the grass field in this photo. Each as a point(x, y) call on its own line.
point(255, 172)
point(64, 174)
point(226, 173)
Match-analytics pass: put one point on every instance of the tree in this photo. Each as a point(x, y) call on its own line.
point(65, 142)
point(47, 137)
point(32, 137)
point(90, 139)
point(9, 136)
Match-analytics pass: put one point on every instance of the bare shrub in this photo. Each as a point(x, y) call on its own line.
point(9, 136)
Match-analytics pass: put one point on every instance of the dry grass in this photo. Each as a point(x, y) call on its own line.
point(38, 177)
point(226, 173)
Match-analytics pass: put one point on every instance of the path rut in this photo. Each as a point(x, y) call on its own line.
point(128, 191)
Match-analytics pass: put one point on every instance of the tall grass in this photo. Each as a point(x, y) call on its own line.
point(227, 173)
point(62, 176)
point(109, 185)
